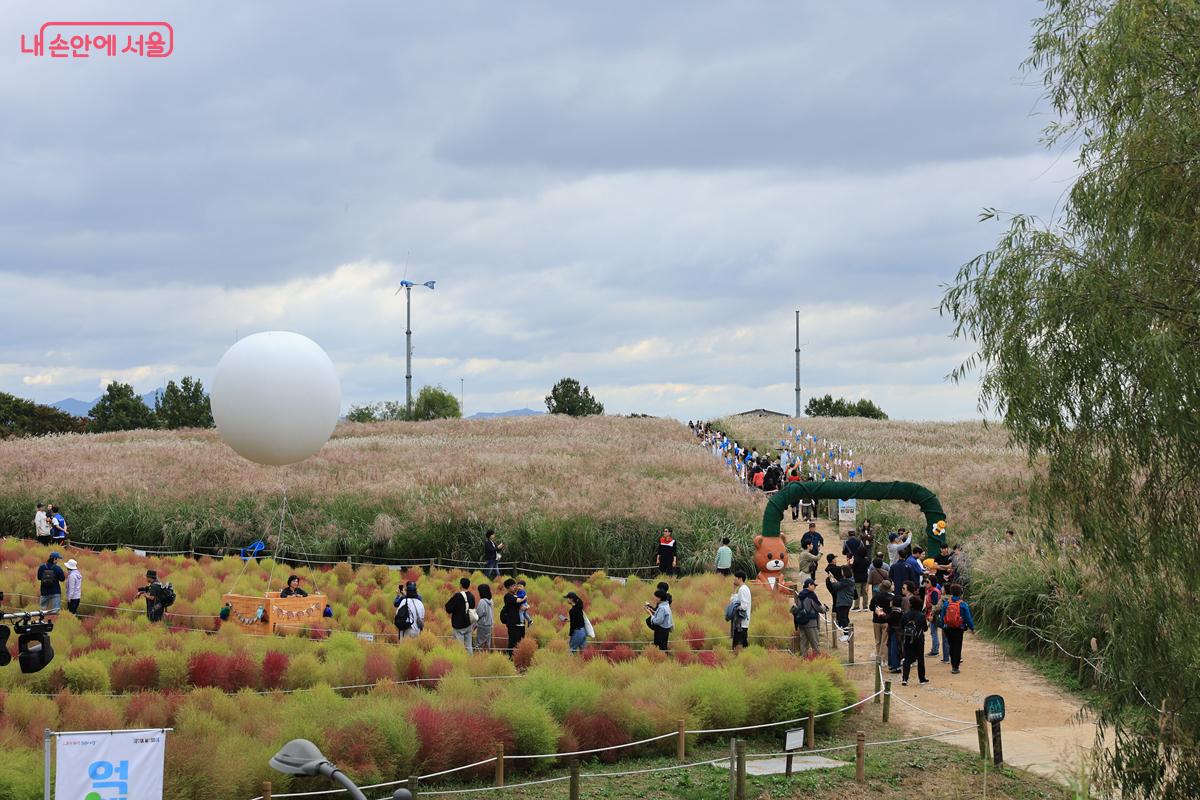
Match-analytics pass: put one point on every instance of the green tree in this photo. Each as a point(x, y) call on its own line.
point(362, 414)
point(21, 417)
point(827, 406)
point(1088, 334)
point(185, 405)
point(120, 410)
point(434, 402)
point(568, 398)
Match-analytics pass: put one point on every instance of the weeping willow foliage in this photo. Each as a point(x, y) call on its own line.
point(1088, 335)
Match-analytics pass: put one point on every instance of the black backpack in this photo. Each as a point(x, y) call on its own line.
point(403, 616)
point(166, 596)
point(911, 630)
point(48, 578)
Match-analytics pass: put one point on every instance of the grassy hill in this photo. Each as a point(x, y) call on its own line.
point(580, 492)
point(982, 482)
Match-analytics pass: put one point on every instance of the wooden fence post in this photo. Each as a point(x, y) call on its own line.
point(574, 782)
point(413, 786)
point(499, 763)
point(887, 699)
point(810, 731)
point(860, 758)
point(878, 676)
point(681, 745)
point(981, 731)
point(732, 769)
point(266, 790)
point(850, 644)
point(741, 769)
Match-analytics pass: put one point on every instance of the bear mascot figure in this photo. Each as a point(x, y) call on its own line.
point(771, 557)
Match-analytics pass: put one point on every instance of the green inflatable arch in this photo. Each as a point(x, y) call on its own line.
point(860, 490)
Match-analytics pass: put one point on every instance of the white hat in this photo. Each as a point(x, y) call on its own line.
point(71, 564)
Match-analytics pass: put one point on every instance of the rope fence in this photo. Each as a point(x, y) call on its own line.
point(625, 773)
point(625, 746)
point(327, 559)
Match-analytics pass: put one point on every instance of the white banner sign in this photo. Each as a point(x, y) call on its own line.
point(125, 765)
point(847, 511)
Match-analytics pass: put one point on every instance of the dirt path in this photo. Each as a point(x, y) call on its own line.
point(1044, 730)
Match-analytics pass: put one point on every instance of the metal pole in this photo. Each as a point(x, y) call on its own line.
point(46, 766)
point(462, 403)
point(408, 350)
point(797, 362)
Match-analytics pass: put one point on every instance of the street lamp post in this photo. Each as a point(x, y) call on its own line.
point(301, 757)
point(407, 286)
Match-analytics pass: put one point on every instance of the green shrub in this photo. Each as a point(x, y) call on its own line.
point(711, 698)
point(533, 727)
point(87, 674)
point(20, 773)
point(303, 672)
point(562, 693)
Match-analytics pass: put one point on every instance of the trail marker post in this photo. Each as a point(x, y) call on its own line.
point(993, 707)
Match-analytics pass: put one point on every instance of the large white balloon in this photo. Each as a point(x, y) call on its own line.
point(276, 397)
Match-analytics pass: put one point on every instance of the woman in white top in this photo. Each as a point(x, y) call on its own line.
point(74, 586)
point(741, 622)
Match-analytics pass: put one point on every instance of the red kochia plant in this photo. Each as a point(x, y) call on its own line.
point(379, 666)
point(694, 636)
point(134, 674)
point(598, 730)
point(450, 738)
point(152, 709)
point(621, 652)
point(205, 669)
point(240, 673)
point(523, 653)
point(274, 665)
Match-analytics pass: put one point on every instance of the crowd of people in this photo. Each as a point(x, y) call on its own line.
point(800, 457)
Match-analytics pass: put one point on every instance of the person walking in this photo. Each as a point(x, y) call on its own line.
point(806, 615)
point(483, 609)
point(510, 616)
point(576, 624)
point(740, 603)
point(667, 553)
point(843, 593)
point(724, 557)
point(74, 586)
point(460, 607)
point(933, 613)
point(956, 618)
point(50, 577)
point(491, 554)
point(806, 561)
point(912, 642)
point(881, 607)
point(814, 536)
point(860, 565)
point(410, 612)
point(660, 619)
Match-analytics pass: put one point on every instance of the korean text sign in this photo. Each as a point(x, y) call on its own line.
point(123, 765)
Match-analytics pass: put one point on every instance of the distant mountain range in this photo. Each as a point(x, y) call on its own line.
point(517, 412)
point(81, 408)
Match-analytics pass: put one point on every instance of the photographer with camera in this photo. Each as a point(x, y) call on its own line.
point(159, 597)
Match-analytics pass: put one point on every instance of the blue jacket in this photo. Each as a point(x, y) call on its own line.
point(968, 620)
point(900, 572)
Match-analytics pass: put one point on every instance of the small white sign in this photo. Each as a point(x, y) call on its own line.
point(794, 739)
point(141, 553)
point(366, 637)
point(848, 511)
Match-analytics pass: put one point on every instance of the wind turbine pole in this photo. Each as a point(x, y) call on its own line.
point(797, 363)
point(408, 348)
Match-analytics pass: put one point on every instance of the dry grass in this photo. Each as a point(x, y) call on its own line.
point(599, 466)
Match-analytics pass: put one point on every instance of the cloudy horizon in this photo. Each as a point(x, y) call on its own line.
point(639, 198)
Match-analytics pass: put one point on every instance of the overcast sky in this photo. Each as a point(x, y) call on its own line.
point(636, 195)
